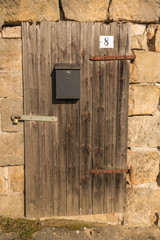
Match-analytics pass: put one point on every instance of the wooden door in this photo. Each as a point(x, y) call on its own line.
point(91, 133)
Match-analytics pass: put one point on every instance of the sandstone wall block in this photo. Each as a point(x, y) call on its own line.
point(136, 11)
point(144, 166)
point(1, 19)
point(85, 10)
point(11, 68)
point(138, 37)
point(151, 31)
point(16, 177)
point(11, 106)
point(11, 32)
point(11, 54)
point(142, 204)
point(143, 99)
point(144, 131)
point(1, 99)
point(157, 39)
point(11, 83)
point(12, 149)
point(3, 179)
point(12, 205)
point(146, 67)
point(20, 10)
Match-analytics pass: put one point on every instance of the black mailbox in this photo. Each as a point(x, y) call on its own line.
point(67, 81)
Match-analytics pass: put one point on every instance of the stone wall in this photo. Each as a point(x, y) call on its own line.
point(143, 182)
point(11, 137)
point(143, 191)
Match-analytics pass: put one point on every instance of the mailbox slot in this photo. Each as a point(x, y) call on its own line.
point(67, 81)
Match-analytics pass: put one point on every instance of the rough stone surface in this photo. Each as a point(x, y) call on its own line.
point(3, 178)
point(11, 83)
point(85, 10)
point(136, 11)
point(1, 99)
point(151, 31)
point(11, 106)
point(144, 131)
point(16, 177)
point(157, 40)
point(146, 67)
point(11, 54)
point(144, 166)
point(12, 149)
point(98, 231)
point(9, 236)
point(139, 37)
point(11, 68)
point(28, 10)
point(11, 32)
point(142, 203)
point(143, 99)
point(12, 205)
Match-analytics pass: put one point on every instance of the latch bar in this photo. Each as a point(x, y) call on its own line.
point(17, 118)
point(103, 171)
point(110, 58)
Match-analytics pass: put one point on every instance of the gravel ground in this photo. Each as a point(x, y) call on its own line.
point(97, 231)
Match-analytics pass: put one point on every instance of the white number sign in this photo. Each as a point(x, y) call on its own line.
point(106, 41)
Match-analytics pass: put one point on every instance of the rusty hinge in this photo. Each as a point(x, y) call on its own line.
point(99, 171)
point(109, 58)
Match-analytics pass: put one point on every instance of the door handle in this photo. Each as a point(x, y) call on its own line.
point(17, 118)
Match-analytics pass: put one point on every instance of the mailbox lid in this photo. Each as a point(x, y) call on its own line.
point(69, 66)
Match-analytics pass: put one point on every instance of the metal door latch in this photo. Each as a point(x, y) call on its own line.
point(100, 171)
point(110, 58)
point(17, 118)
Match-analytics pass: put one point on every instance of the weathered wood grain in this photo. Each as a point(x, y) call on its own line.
point(91, 133)
point(86, 118)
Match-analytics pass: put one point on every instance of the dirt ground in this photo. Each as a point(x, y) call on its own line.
point(74, 230)
point(99, 232)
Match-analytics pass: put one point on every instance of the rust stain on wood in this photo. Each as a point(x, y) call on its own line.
point(103, 171)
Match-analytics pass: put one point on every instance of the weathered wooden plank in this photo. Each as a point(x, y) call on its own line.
point(59, 55)
point(98, 126)
point(110, 137)
point(31, 151)
point(86, 118)
point(72, 116)
point(122, 116)
point(25, 37)
point(47, 161)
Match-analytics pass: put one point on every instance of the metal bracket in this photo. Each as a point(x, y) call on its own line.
point(100, 171)
point(17, 118)
point(110, 58)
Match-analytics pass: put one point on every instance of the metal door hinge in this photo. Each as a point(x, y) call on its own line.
point(100, 171)
point(17, 118)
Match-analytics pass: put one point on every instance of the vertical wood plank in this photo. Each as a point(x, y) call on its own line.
point(110, 129)
point(122, 115)
point(47, 111)
point(98, 126)
point(59, 55)
point(86, 119)
point(72, 116)
point(30, 107)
